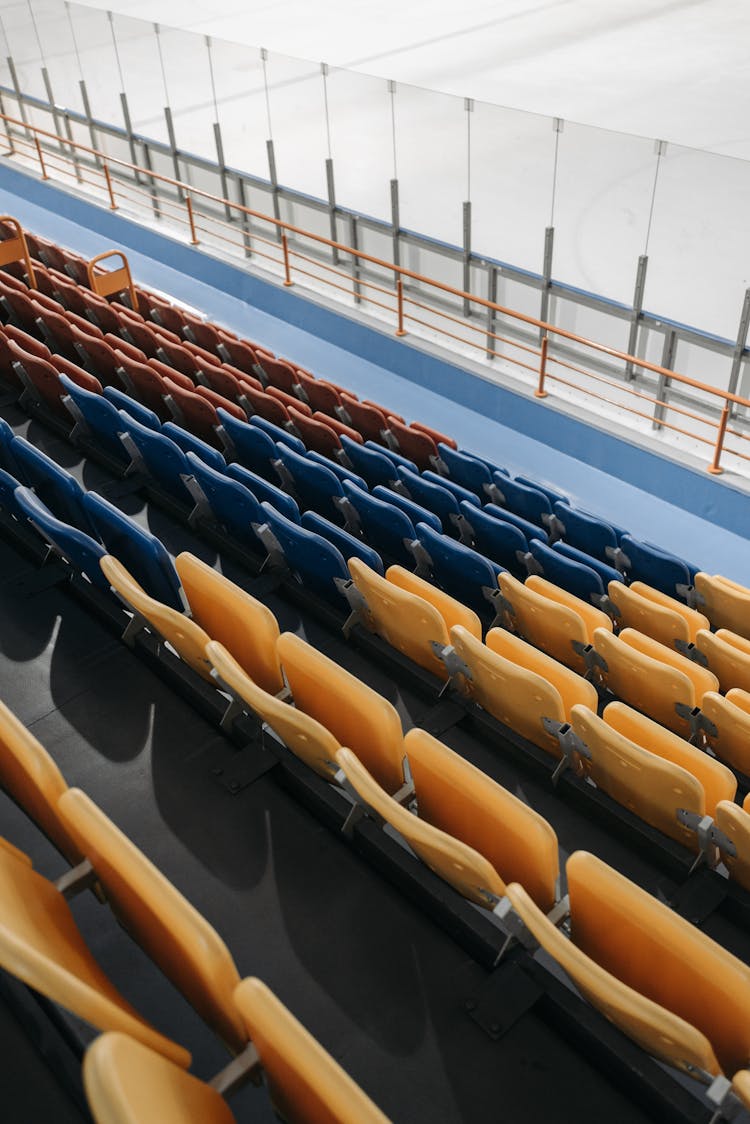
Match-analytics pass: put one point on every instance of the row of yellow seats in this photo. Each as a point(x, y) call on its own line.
point(659, 776)
point(41, 944)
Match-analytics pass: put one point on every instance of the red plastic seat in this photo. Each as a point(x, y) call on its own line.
point(21, 309)
point(96, 355)
point(316, 434)
point(203, 358)
point(45, 282)
point(320, 395)
point(26, 343)
point(57, 329)
point(192, 410)
point(70, 296)
point(103, 314)
point(242, 377)
point(435, 434)
point(141, 336)
point(175, 355)
point(218, 400)
point(266, 407)
point(202, 333)
point(385, 412)
point(75, 372)
point(166, 372)
point(144, 384)
point(16, 278)
point(128, 349)
point(279, 372)
point(291, 401)
point(223, 382)
point(417, 446)
point(239, 353)
point(165, 314)
point(45, 379)
point(366, 419)
point(339, 427)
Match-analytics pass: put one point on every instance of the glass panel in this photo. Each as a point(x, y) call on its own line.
point(188, 82)
point(138, 50)
point(602, 201)
point(24, 48)
point(361, 142)
point(98, 61)
point(298, 124)
point(240, 93)
point(431, 161)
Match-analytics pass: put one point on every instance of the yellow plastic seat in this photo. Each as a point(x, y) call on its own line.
point(741, 1086)
point(681, 996)
point(186, 637)
point(551, 622)
point(649, 770)
point(165, 925)
point(725, 602)
point(306, 1085)
point(731, 717)
point(305, 737)
point(471, 831)
point(728, 657)
point(734, 823)
point(645, 682)
point(30, 776)
point(246, 627)
point(451, 610)
point(40, 944)
point(655, 614)
point(406, 621)
point(357, 716)
point(519, 685)
point(702, 679)
point(126, 1083)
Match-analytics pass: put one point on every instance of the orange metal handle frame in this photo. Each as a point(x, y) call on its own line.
point(106, 282)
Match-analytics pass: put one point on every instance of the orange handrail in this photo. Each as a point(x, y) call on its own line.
point(400, 273)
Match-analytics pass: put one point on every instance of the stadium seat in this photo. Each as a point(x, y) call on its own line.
point(317, 393)
point(193, 411)
point(385, 527)
point(529, 503)
point(8, 501)
point(7, 459)
point(233, 506)
point(396, 458)
point(358, 717)
point(728, 657)
point(415, 511)
point(265, 406)
point(414, 443)
point(289, 402)
point(655, 567)
point(244, 626)
point(581, 580)
point(725, 603)
point(277, 432)
point(339, 470)
point(729, 734)
point(160, 458)
point(240, 353)
point(41, 380)
point(56, 488)
point(186, 637)
point(551, 493)
point(460, 571)
point(143, 383)
point(530, 530)
point(56, 329)
point(585, 532)
point(373, 466)
point(24, 344)
point(97, 356)
point(433, 496)
point(494, 538)
point(524, 689)
point(96, 420)
point(734, 824)
point(314, 486)
point(315, 561)
point(655, 614)
point(468, 471)
point(142, 554)
point(367, 420)
point(665, 984)
point(471, 832)
point(247, 444)
point(305, 1084)
point(278, 372)
point(462, 495)
point(189, 443)
point(348, 545)
point(315, 434)
point(124, 403)
point(552, 619)
point(607, 573)
point(263, 490)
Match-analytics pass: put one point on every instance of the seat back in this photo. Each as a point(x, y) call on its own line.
point(494, 538)
point(371, 465)
point(100, 418)
point(189, 443)
point(30, 776)
point(55, 487)
point(548, 625)
point(415, 511)
point(125, 1083)
point(731, 719)
point(451, 610)
point(701, 678)
point(462, 572)
point(265, 491)
point(648, 785)
point(303, 735)
point(244, 626)
point(169, 929)
point(461, 494)
point(527, 502)
point(585, 532)
point(576, 577)
point(250, 446)
point(315, 486)
point(165, 462)
point(406, 621)
point(517, 697)
point(592, 617)
point(661, 955)
point(648, 684)
point(441, 501)
point(694, 621)
point(660, 622)
point(414, 444)
point(306, 1085)
point(725, 603)
point(312, 558)
point(186, 637)
point(572, 688)
point(734, 822)
point(357, 716)
point(232, 505)
point(348, 545)
point(40, 944)
point(456, 797)
point(81, 550)
point(466, 470)
point(386, 527)
point(728, 657)
point(366, 419)
point(461, 866)
point(654, 567)
point(606, 572)
point(530, 530)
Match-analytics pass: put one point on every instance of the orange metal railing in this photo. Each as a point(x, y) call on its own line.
point(184, 209)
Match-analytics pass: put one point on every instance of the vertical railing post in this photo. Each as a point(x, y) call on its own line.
point(40, 154)
point(287, 268)
point(401, 330)
point(540, 392)
point(110, 189)
point(191, 219)
point(714, 468)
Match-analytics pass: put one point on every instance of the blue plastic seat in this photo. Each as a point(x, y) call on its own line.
point(692, 569)
point(276, 433)
point(336, 468)
point(139, 551)
point(7, 459)
point(97, 418)
point(81, 550)
point(432, 496)
point(232, 505)
point(345, 543)
point(315, 561)
point(495, 538)
point(459, 570)
point(55, 487)
point(370, 463)
point(655, 567)
point(529, 503)
point(552, 495)
point(606, 573)
point(385, 527)
point(463, 495)
point(585, 532)
point(137, 410)
point(415, 511)
point(394, 457)
point(530, 530)
point(164, 461)
point(583, 581)
point(264, 491)
point(467, 470)
point(315, 486)
point(191, 444)
point(247, 444)
point(8, 487)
